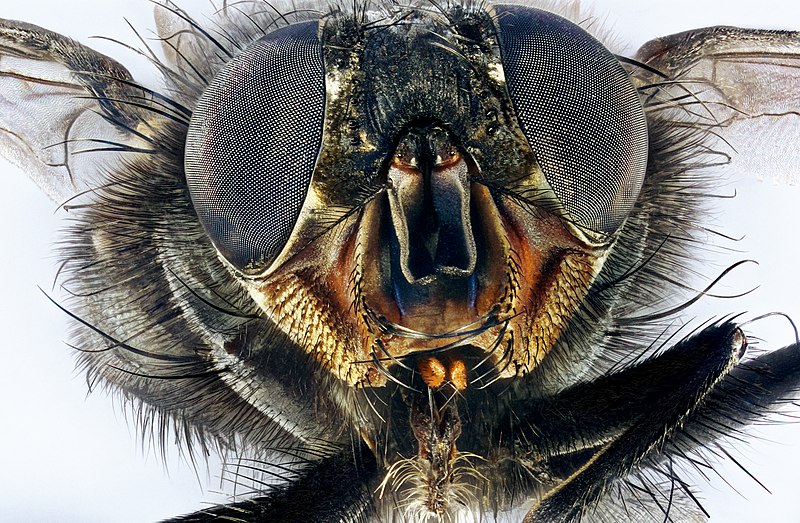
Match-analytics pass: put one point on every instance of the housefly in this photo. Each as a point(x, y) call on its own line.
point(726, 305)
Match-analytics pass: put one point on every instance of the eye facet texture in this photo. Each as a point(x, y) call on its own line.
point(579, 112)
point(253, 142)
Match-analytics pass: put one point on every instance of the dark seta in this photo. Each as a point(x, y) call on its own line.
point(408, 263)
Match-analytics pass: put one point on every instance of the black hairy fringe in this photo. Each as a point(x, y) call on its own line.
point(632, 312)
point(150, 299)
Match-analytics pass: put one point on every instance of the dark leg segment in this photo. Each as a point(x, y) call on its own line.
point(628, 418)
point(751, 391)
point(338, 488)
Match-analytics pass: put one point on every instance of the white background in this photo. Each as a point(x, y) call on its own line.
point(68, 457)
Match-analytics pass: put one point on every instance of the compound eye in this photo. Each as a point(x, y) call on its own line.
point(253, 143)
point(579, 112)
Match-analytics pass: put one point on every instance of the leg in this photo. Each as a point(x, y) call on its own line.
point(630, 418)
point(338, 488)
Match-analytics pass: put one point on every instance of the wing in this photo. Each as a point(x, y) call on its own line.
point(60, 100)
point(745, 84)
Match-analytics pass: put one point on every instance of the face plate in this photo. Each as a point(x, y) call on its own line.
point(343, 288)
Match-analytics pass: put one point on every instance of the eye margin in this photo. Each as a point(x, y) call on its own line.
point(596, 175)
point(244, 183)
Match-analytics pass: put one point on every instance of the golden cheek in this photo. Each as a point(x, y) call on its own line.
point(337, 302)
